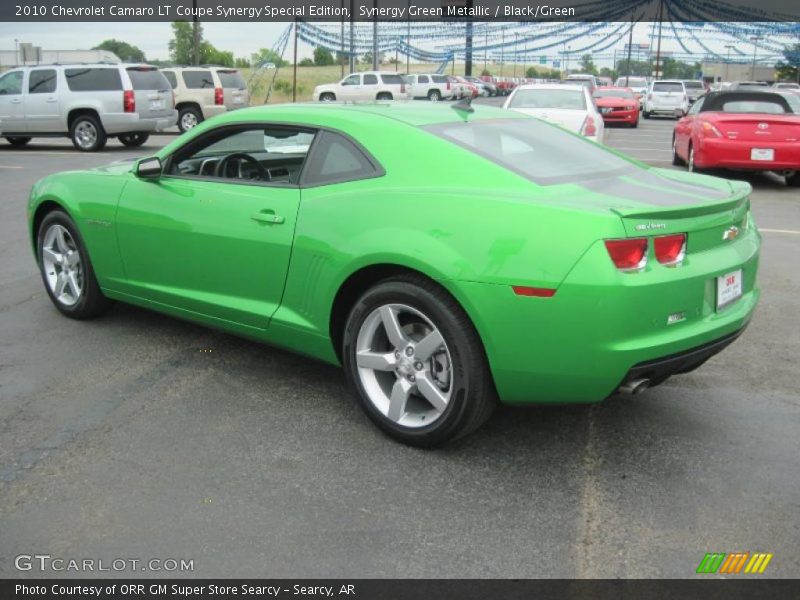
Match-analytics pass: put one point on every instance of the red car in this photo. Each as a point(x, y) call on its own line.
point(617, 105)
point(469, 85)
point(744, 130)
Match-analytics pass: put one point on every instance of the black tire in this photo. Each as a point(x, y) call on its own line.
point(384, 96)
point(91, 143)
point(188, 115)
point(434, 95)
point(676, 160)
point(134, 140)
point(327, 97)
point(91, 302)
point(473, 397)
point(18, 141)
point(794, 180)
point(646, 114)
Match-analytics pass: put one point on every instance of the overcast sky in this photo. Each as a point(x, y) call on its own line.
point(241, 38)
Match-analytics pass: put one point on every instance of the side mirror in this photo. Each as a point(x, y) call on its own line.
point(149, 168)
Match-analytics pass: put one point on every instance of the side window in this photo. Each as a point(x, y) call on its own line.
point(11, 83)
point(336, 159)
point(42, 81)
point(352, 80)
point(696, 107)
point(173, 81)
point(370, 80)
point(423, 79)
point(197, 80)
point(245, 154)
point(93, 80)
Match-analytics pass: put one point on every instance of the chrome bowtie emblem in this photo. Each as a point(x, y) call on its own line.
point(763, 126)
point(730, 233)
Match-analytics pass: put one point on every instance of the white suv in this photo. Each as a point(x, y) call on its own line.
point(432, 86)
point(205, 91)
point(370, 85)
point(666, 97)
point(87, 102)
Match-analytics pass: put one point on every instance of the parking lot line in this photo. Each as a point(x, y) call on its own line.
point(789, 231)
point(10, 167)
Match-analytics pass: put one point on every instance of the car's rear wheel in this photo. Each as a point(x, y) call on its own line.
point(189, 117)
point(384, 96)
point(676, 160)
point(434, 95)
point(134, 139)
point(793, 180)
point(87, 133)
point(690, 162)
point(416, 363)
point(327, 97)
point(646, 114)
point(66, 270)
point(18, 141)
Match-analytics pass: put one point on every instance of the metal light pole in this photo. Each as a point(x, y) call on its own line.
point(341, 54)
point(294, 71)
point(630, 49)
point(658, 50)
point(516, 55)
point(408, 40)
point(728, 61)
point(352, 60)
point(754, 39)
point(375, 37)
point(16, 51)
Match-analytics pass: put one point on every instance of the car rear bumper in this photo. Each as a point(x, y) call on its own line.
point(620, 116)
point(601, 324)
point(734, 154)
point(212, 110)
point(116, 123)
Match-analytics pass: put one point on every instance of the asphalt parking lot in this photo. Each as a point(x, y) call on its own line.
point(141, 436)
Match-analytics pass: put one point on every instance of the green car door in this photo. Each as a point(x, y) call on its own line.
point(216, 248)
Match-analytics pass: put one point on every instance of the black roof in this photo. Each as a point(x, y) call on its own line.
point(714, 101)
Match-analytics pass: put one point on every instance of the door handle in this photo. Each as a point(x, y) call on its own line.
point(268, 216)
point(16, 101)
point(52, 100)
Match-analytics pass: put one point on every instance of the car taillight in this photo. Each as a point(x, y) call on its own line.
point(589, 128)
point(402, 88)
point(218, 98)
point(448, 85)
point(707, 128)
point(128, 101)
point(628, 254)
point(670, 249)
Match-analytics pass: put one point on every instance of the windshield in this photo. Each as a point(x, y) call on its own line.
point(613, 94)
point(148, 79)
point(567, 99)
point(695, 85)
point(666, 86)
point(632, 81)
point(536, 150)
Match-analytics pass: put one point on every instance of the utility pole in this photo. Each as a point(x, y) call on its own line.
point(294, 71)
point(658, 49)
point(486, 45)
point(468, 45)
point(408, 40)
point(630, 49)
point(341, 54)
point(516, 56)
point(502, 50)
point(375, 37)
point(728, 61)
point(352, 37)
point(754, 39)
point(195, 35)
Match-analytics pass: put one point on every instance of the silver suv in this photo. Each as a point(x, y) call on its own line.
point(205, 91)
point(87, 102)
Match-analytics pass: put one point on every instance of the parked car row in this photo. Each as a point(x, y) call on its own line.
point(90, 103)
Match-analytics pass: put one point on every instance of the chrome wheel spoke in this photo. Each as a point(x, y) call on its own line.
point(398, 400)
point(60, 241)
point(74, 286)
point(431, 392)
point(376, 360)
point(392, 326)
point(428, 345)
point(49, 255)
point(60, 285)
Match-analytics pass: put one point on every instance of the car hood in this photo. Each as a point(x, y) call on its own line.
point(118, 167)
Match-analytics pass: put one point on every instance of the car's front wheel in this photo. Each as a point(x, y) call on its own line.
point(416, 363)
point(134, 139)
point(384, 96)
point(327, 97)
point(189, 117)
point(676, 159)
point(66, 270)
point(18, 141)
point(87, 133)
point(434, 95)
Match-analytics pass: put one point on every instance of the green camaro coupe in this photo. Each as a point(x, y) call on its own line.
point(446, 258)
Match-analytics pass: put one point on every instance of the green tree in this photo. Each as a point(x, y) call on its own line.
point(639, 68)
point(124, 50)
point(532, 73)
point(241, 63)
point(209, 55)
point(265, 55)
point(306, 62)
point(180, 46)
point(587, 65)
point(606, 72)
point(322, 57)
point(789, 69)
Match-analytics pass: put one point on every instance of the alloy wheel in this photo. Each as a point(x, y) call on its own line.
point(61, 261)
point(188, 120)
point(86, 134)
point(404, 365)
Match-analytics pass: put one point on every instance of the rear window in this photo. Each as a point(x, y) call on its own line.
point(570, 99)
point(543, 153)
point(148, 79)
point(695, 85)
point(231, 79)
point(613, 94)
point(93, 80)
point(392, 79)
point(439, 78)
point(197, 80)
point(667, 86)
point(173, 81)
point(632, 81)
point(753, 106)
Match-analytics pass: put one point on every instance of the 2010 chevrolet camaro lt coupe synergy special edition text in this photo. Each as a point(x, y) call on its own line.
point(446, 257)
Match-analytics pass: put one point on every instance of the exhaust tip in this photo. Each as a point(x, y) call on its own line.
point(788, 172)
point(634, 386)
